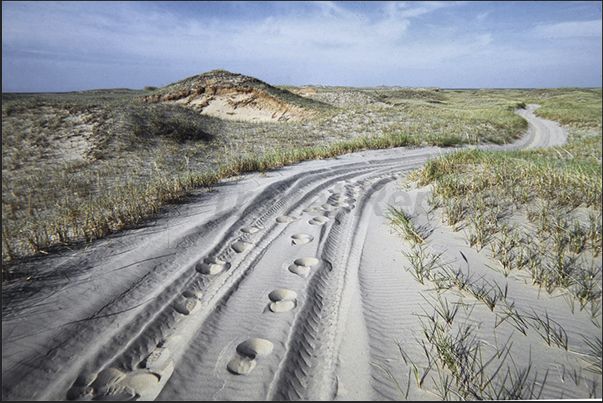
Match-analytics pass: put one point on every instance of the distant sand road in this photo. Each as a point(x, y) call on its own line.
point(281, 286)
point(541, 132)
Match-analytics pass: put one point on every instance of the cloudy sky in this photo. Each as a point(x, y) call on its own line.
point(72, 46)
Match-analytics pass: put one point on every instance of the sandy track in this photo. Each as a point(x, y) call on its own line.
point(541, 132)
point(284, 286)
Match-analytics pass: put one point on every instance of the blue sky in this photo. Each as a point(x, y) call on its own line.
point(73, 46)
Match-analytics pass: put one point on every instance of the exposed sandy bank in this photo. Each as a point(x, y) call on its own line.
point(253, 106)
point(234, 97)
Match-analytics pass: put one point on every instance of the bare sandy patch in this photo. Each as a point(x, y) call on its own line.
point(236, 103)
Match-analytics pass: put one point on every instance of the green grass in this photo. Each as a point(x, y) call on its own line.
point(404, 223)
point(570, 106)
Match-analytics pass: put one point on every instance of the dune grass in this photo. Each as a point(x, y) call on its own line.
point(131, 158)
point(558, 191)
point(538, 211)
point(560, 197)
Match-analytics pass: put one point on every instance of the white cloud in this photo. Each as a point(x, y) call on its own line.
point(342, 44)
point(483, 15)
point(333, 40)
point(416, 9)
point(332, 9)
point(129, 30)
point(571, 29)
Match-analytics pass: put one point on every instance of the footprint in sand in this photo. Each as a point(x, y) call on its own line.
point(112, 392)
point(157, 359)
point(302, 266)
point(285, 219)
point(116, 384)
point(108, 376)
point(354, 190)
point(131, 386)
point(248, 352)
point(318, 220)
point(327, 207)
point(312, 209)
point(137, 383)
point(282, 300)
point(212, 265)
point(338, 202)
point(250, 230)
point(335, 199)
point(190, 303)
point(301, 239)
point(240, 246)
point(84, 386)
point(103, 386)
point(186, 306)
point(192, 294)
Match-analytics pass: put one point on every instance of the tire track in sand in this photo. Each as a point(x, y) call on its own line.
point(255, 304)
point(167, 318)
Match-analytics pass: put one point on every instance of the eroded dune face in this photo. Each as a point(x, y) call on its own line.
point(236, 103)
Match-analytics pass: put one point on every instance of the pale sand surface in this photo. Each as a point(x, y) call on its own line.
point(253, 106)
point(284, 286)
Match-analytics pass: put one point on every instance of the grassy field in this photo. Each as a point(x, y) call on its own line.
point(79, 166)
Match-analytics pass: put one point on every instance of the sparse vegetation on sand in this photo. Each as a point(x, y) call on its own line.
point(557, 191)
point(79, 166)
point(536, 212)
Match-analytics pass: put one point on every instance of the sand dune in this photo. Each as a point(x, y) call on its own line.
point(289, 286)
point(232, 96)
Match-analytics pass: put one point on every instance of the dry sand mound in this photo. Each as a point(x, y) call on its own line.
point(298, 292)
point(231, 96)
